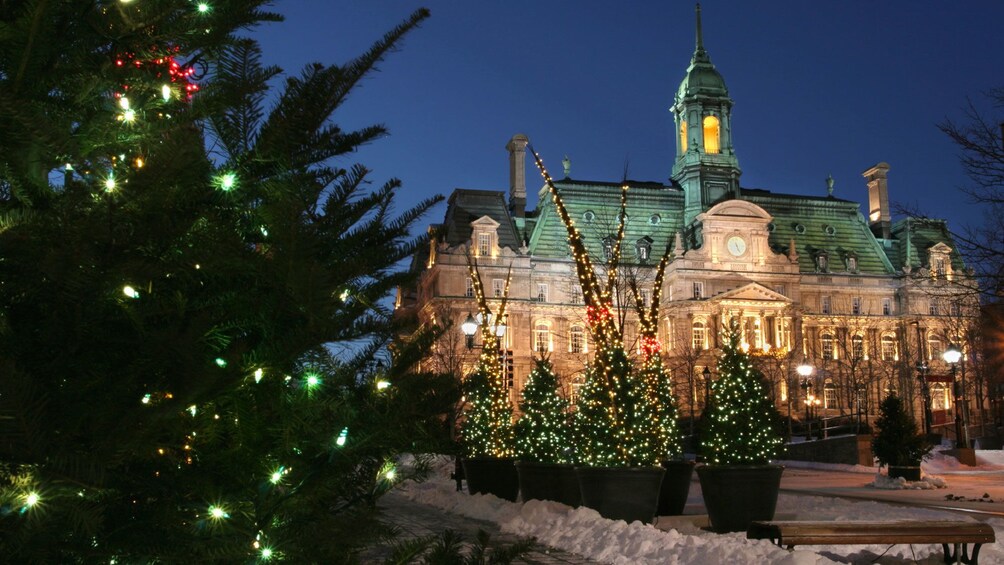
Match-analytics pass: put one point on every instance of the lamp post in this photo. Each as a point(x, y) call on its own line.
point(706, 373)
point(805, 370)
point(952, 355)
point(925, 394)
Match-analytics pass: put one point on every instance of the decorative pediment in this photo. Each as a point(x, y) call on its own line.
point(939, 247)
point(737, 209)
point(750, 293)
point(485, 223)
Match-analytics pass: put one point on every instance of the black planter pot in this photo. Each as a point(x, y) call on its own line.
point(909, 473)
point(492, 475)
point(736, 495)
point(548, 481)
point(675, 487)
point(621, 493)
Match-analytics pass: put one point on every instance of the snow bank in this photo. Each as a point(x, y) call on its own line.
point(929, 482)
point(584, 532)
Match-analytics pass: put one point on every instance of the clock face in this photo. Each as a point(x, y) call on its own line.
point(736, 245)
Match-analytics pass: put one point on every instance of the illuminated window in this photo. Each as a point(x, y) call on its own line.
point(484, 244)
point(469, 292)
point(712, 135)
point(829, 395)
point(683, 136)
point(857, 347)
point(542, 338)
point(825, 305)
point(498, 287)
point(934, 348)
point(888, 348)
point(698, 290)
point(577, 340)
point(700, 336)
point(826, 343)
point(939, 397)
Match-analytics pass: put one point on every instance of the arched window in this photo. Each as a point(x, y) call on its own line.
point(683, 136)
point(857, 347)
point(542, 337)
point(712, 135)
point(576, 340)
point(888, 348)
point(939, 396)
point(700, 336)
point(826, 345)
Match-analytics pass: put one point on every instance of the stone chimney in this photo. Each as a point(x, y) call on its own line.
point(517, 174)
point(879, 218)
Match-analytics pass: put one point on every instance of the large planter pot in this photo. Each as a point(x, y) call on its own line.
point(909, 473)
point(492, 475)
point(621, 493)
point(675, 487)
point(548, 481)
point(736, 495)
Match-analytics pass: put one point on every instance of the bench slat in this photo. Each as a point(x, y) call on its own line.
point(854, 532)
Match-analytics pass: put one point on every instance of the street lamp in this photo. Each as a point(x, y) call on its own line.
point(952, 355)
point(471, 325)
point(925, 394)
point(805, 370)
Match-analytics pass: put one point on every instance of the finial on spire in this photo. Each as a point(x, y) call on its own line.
point(700, 38)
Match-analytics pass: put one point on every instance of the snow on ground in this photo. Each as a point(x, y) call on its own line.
point(899, 483)
point(680, 540)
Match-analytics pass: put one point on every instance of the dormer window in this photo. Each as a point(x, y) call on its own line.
point(643, 247)
point(939, 259)
point(852, 263)
point(484, 244)
point(484, 237)
point(712, 135)
point(608, 247)
point(822, 261)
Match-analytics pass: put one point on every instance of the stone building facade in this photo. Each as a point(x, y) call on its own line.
point(809, 279)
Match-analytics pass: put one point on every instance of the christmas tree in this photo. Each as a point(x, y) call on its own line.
point(739, 428)
point(543, 432)
point(486, 421)
point(897, 441)
point(612, 421)
point(187, 335)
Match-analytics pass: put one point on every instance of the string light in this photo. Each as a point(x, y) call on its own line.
point(218, 513)
point(258, 374)
point(31, 499)
point(110, 183)
point(382, 384)
point(203, 7)
point(313, 380)
point(220, 362)
point(226, 182)
point(342, 437)
point(130, 292)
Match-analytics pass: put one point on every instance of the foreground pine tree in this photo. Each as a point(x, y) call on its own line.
point(897, 441)
point(739, 427)
point(177, 381)
point(543, 431)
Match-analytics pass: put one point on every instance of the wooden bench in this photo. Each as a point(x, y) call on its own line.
point(956, 534)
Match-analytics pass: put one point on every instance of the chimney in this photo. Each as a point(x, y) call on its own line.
point(517, 174)
point(879, 219)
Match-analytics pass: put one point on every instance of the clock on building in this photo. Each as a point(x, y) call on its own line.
point(736, 245)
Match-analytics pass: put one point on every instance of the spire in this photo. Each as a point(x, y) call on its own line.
point(700, 37)
point(700, 55)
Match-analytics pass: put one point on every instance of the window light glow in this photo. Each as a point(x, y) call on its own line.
point(712, 135)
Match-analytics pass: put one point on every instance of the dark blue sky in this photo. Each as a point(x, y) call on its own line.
point(819, 88)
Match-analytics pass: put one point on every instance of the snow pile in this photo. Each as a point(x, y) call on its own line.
point(929, 482)
point(940, 462)
point(584, 532)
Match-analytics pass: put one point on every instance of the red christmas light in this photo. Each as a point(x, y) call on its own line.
point(650, 346)
point(166, 67)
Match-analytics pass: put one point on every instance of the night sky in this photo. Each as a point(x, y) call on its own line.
point(819, 88)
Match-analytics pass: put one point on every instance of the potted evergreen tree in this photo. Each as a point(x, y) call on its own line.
point(898, 444)
point(543, 440)
point(659, 422)
point(486, 430)
point(618, 460)
point(739, 439)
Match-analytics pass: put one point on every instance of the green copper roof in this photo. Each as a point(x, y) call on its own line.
point(822, 224)
point(653, 210)
point(915, 236)
point(465, 206)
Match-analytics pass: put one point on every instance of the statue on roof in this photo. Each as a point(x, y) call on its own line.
point(829, 185)
point(566, 163)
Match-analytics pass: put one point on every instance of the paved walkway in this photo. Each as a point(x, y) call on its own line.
point(416, 520)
